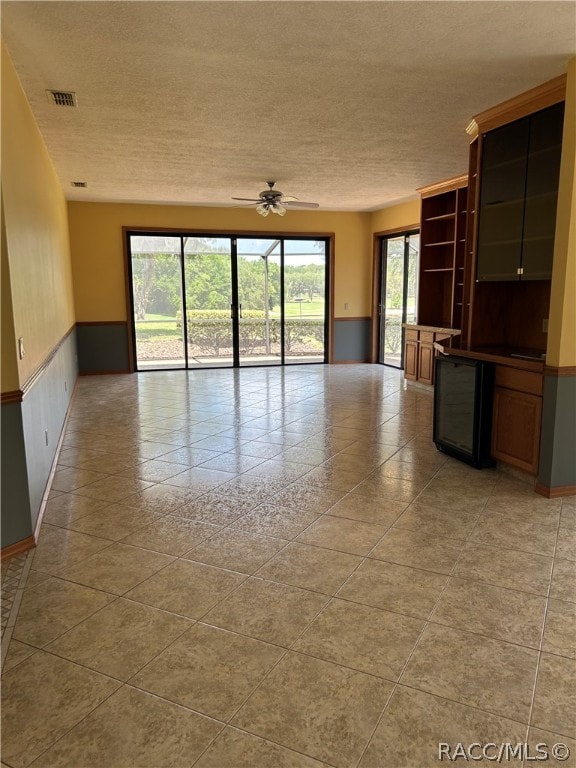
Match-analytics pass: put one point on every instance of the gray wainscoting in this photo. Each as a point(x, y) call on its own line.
point(27, 453)
point(103, 347)
point(15, 496)
point(352, 340)
point(558, 440)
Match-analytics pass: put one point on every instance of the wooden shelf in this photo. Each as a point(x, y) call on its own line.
point(443, 217)
point(545, 150)
point(503, 242)
point(442, 238)
point(504, 163)
point(501, 203)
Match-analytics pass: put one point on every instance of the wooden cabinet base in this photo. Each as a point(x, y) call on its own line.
point(419, 352)
point(516, 428)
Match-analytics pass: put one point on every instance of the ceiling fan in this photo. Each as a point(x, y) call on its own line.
point(273, 200)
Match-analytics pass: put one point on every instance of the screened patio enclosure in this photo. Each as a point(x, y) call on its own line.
point(204, 301)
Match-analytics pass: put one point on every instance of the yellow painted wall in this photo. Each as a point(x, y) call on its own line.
point(9, 366)
point(562, 323)
point(396, 217)
point(36, 226)
point(98, 260)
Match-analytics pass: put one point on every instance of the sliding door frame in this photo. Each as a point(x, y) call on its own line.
point(378, 238)
point(328, 237)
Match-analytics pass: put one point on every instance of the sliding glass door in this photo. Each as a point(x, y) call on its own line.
point(221, 301)
point(258, 263)
point(398, 293)
point(305, 300)
point(157, 301)
point(209, 298)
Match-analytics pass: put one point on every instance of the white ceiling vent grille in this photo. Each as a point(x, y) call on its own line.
point(62, 98)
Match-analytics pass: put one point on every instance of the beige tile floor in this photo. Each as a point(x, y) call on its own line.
point(275, 568)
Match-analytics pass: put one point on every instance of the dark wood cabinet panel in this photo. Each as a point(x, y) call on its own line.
point(516, 428)
point(519, 177)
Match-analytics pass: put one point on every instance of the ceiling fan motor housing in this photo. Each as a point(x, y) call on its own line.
point(270, 195)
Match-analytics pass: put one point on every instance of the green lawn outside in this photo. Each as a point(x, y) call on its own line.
point(157, 327)
point(163, 326)
point(308, 308)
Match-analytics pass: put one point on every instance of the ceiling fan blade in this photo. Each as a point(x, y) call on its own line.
point(289, 198)
point(248, 199)
point(300, 205)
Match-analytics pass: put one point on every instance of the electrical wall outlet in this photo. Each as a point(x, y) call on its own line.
point(545, 325)
point(21, 351)
point(46, 436)
point(346, 305)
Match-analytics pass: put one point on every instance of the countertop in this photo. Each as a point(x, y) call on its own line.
point(499, 355)
point(433, 328)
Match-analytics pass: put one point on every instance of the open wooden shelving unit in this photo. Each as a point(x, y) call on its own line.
point(442, 253)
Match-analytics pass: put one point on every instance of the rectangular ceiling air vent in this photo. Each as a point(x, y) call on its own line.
point(78, 183)
point(62, 98)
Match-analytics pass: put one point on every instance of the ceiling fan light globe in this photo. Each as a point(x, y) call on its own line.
point(279, 209)
point(263, 209)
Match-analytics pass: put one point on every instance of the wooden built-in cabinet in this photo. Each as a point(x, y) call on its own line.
point(513, 174)
point(441, 286)
point(487, 244)
point(442, 253)
point(517, 417)
point(519, 187)
point(419, 351)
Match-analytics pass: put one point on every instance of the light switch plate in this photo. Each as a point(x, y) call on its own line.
point(21, 352)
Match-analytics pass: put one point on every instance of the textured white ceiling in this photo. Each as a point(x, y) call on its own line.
point(350, 104)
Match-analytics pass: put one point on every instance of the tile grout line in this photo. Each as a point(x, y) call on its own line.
point(543, 630)
point(406, 663)
point(331, 597)
point(15, 607)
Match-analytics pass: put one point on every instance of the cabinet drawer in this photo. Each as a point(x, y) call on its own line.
point(426, 337)
point(521, 381)
point(411, 335)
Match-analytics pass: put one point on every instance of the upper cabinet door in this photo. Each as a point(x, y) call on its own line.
point(518, 191)
point(501, 215)
point(543, 172)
